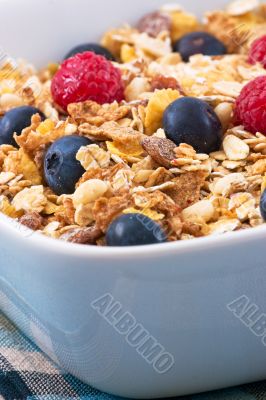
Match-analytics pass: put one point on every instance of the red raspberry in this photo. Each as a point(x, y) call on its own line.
point(250, 108)
point(257, 52)
point(87, 76)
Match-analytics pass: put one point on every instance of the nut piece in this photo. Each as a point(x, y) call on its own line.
point(247, 209)
point(51, 229)
point(160, 82)
point(238, 199)
point(5, 177)
point(10, 100)
point(83, 215)
point(235, 148)
point(30, 199)
point(155, 23)
point(161, 150)
point(153, 47)
point(32, 220)
point(137, 87)
point(228, 88)
point(89, 192)
point(224, 226)
point(203, 209)
point(224, 111)
point(244, 205)
point(84, 198)
point(82, 236)
point(229, 184)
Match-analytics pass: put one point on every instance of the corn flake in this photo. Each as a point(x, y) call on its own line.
point(128, 53)
point(159, 101)
point(182, 23)
point(41, 133)
point(8, 209)
point(19, 162)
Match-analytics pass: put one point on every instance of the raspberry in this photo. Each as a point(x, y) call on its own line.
point(87, 76)
point(257, 52)
point(250, 108)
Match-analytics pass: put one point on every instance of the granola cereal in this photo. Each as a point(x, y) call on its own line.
point(145, 118)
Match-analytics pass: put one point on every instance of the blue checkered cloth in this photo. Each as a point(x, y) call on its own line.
point(27, 374)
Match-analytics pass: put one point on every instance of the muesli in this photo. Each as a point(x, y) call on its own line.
point(157, 134)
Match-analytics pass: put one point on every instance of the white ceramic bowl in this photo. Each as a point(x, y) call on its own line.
point(179, 292)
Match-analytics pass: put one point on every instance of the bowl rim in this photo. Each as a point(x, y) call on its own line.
point(206, 243)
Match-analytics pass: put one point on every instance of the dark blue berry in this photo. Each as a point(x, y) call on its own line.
point(199, 43)
point(14, 121)
point(61, 168)
point(263, 205)
point(95, 48)
point(134, 230)
point(194, 122)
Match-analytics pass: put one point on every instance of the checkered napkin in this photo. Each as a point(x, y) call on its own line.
point(26, 374)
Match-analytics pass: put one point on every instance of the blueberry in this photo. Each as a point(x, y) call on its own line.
point(199, 43)
point(134, 230)
point(95, 48)
point(61, 169)
point(192, 121)
point(14, 121)
point(263, 205)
